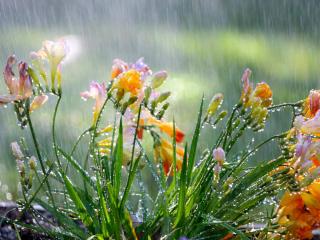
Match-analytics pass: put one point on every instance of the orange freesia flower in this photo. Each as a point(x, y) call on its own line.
point(299, 212)
point(263, 91)
point(118, 67)
point(165, 151)
point(167, 127)
point(312, 104)
point(130, 81)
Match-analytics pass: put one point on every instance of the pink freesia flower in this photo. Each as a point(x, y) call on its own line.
point(98, 92)
point(19, 89)
point(303, 145)
point(38, 101)
point(312, 126)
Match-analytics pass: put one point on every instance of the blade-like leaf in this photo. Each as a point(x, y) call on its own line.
point(118, 161)
point(183, 190)
point(82, 211)
point(194, 143)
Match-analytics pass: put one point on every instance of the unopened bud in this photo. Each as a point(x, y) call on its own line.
point(132, 100)
point(215, 103)
point(165, 106)
point(21, 168)
point(33, 163)
point(120, 94)
point(236, 123)
point(16, 150)
point(158, 79)
point(164, 96)
point(106, 129)
point(147, 93)
point(219, 155)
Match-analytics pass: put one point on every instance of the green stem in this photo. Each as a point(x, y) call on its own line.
point(257, 147)
point(227, 131)
point(78, 140)
point(54, 131)
point(296, 104)
point(37, 147)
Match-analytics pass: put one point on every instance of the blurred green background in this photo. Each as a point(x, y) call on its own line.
point(203, 44)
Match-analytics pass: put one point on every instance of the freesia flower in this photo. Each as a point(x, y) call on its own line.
point(312, 126)
point(98, 92)
point(299, 212)
point(165, 151)
point(167, 127)
point(54, 53)
point(19, 89)
point(130, 81)
point(263, 91)
point(38, 101)
point(312, 104)
point(129, 78)
point(257, 100)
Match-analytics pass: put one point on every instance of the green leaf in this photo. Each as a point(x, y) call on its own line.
point(105, 218)
point(131, 176)
point(252, 177)
point(78, 167)
point(82, 211)
point(114, 211)
point(183, 190)
point(194, 143)
point(118, 161)
point(64, 220)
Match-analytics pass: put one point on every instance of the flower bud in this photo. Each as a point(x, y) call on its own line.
point(33, 163)
point(215, 103)
point(147, 93)
point(158, 79)
point(21, 168)
point(163, 97)
point(106, 129)
point(16, 150)
point(219, 155)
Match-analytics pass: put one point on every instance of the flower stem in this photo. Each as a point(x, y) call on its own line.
point(296, 104)
point(54, 131)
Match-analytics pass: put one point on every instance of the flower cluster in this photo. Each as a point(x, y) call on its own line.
point(299, 209)
point(257, 100)
point(132, 86)
point(299, 212)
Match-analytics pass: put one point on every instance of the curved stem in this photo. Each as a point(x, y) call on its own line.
point(78, 140)
point(37, 147)
point(296, 104)
point(257, 147)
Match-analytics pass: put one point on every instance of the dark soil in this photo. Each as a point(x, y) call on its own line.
point(36, 216)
